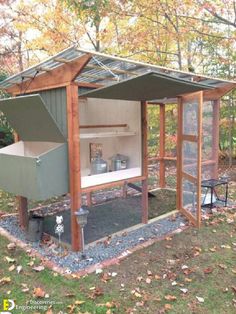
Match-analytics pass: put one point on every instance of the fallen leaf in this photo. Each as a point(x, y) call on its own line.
point(78, 302)
point(110, 305)
point(222, 266)
point(184, 290)
point(39, 293)
point(49, 311)
point(200, 299)
point(233, 271)
point(183, 267)
point(12, 267)
point(226, 246)
point(9, 259)
point(157, 277)
point(105, 277)
point(234, 289)
point(139, 278)
point(69, 295)
point(19, 269)
point(11, 246)
point(99, 271)
point(148, 280)
point(168, 307)
point(174, 283)
point(170, 297)
point(187, 279)
point(208, 270)
point(213, 249)
point(149, 272)
point(137, 294)
point(38, 268)
point(5, 280)
point(113, 274)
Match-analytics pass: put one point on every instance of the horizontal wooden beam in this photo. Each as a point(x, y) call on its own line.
point(166, 158)
point(89, 85)
point(103, 126)
point(189, 177)
point(218, 92)
point(189, 138)
point(58, 77)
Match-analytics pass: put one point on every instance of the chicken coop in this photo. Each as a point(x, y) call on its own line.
point(80, 122)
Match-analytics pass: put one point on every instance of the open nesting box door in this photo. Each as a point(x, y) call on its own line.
point(190, 152)
point(36, 167)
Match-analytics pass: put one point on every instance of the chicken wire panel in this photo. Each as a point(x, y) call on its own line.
point(207, 172)
point(189, 195)
point(190, 117)
point(171, 174)
point(153, 174)
point(190, 158)
point(153, 130)
point(207, 130)
point(171, 121)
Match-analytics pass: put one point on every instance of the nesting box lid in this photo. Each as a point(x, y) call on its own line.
point(30, 118)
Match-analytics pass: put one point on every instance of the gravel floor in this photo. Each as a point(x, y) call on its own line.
point(108, 249)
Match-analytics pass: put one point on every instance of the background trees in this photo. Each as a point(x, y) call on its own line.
point(194, 35)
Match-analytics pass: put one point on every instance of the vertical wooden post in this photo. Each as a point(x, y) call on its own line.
point(21, 201)
point(215, 137)
point(179, 200)
point(125, 190)
point(144, 162)
point(162, 146)
point(199, 161)
point(22, 206)
point(74, 161)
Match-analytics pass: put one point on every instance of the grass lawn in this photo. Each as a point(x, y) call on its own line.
point(192, 272)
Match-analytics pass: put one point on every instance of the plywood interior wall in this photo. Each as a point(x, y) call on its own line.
point(103, 112)
point(29, 149)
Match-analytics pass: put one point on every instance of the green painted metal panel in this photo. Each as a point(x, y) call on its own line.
point(18, 175)
point(55, 101)
point(36, 178)
point(149, 86)
point(30, 118)
point(53, 172)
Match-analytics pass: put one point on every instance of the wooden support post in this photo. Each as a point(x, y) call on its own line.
point(162, 146)
point(21, 201)
point(74, 161)
point(199, 161)
point(179, 155)
point(144, 162)
point(125, 190)
point(215, 137)
point(22, 206)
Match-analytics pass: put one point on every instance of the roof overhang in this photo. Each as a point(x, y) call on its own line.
point(147, 87)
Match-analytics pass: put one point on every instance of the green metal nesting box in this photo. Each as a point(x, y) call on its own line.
point(37, 166)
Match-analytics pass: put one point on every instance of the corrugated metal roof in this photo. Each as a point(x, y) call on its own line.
point(104, 69)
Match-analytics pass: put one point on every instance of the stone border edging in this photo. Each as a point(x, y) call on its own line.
point(90, 269)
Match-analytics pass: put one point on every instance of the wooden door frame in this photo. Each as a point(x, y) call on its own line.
point(194, 139)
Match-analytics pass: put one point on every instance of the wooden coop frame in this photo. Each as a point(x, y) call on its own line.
point(80, 71)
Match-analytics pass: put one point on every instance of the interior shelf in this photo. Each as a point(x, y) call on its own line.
point(87, 181)
point(106, 134)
